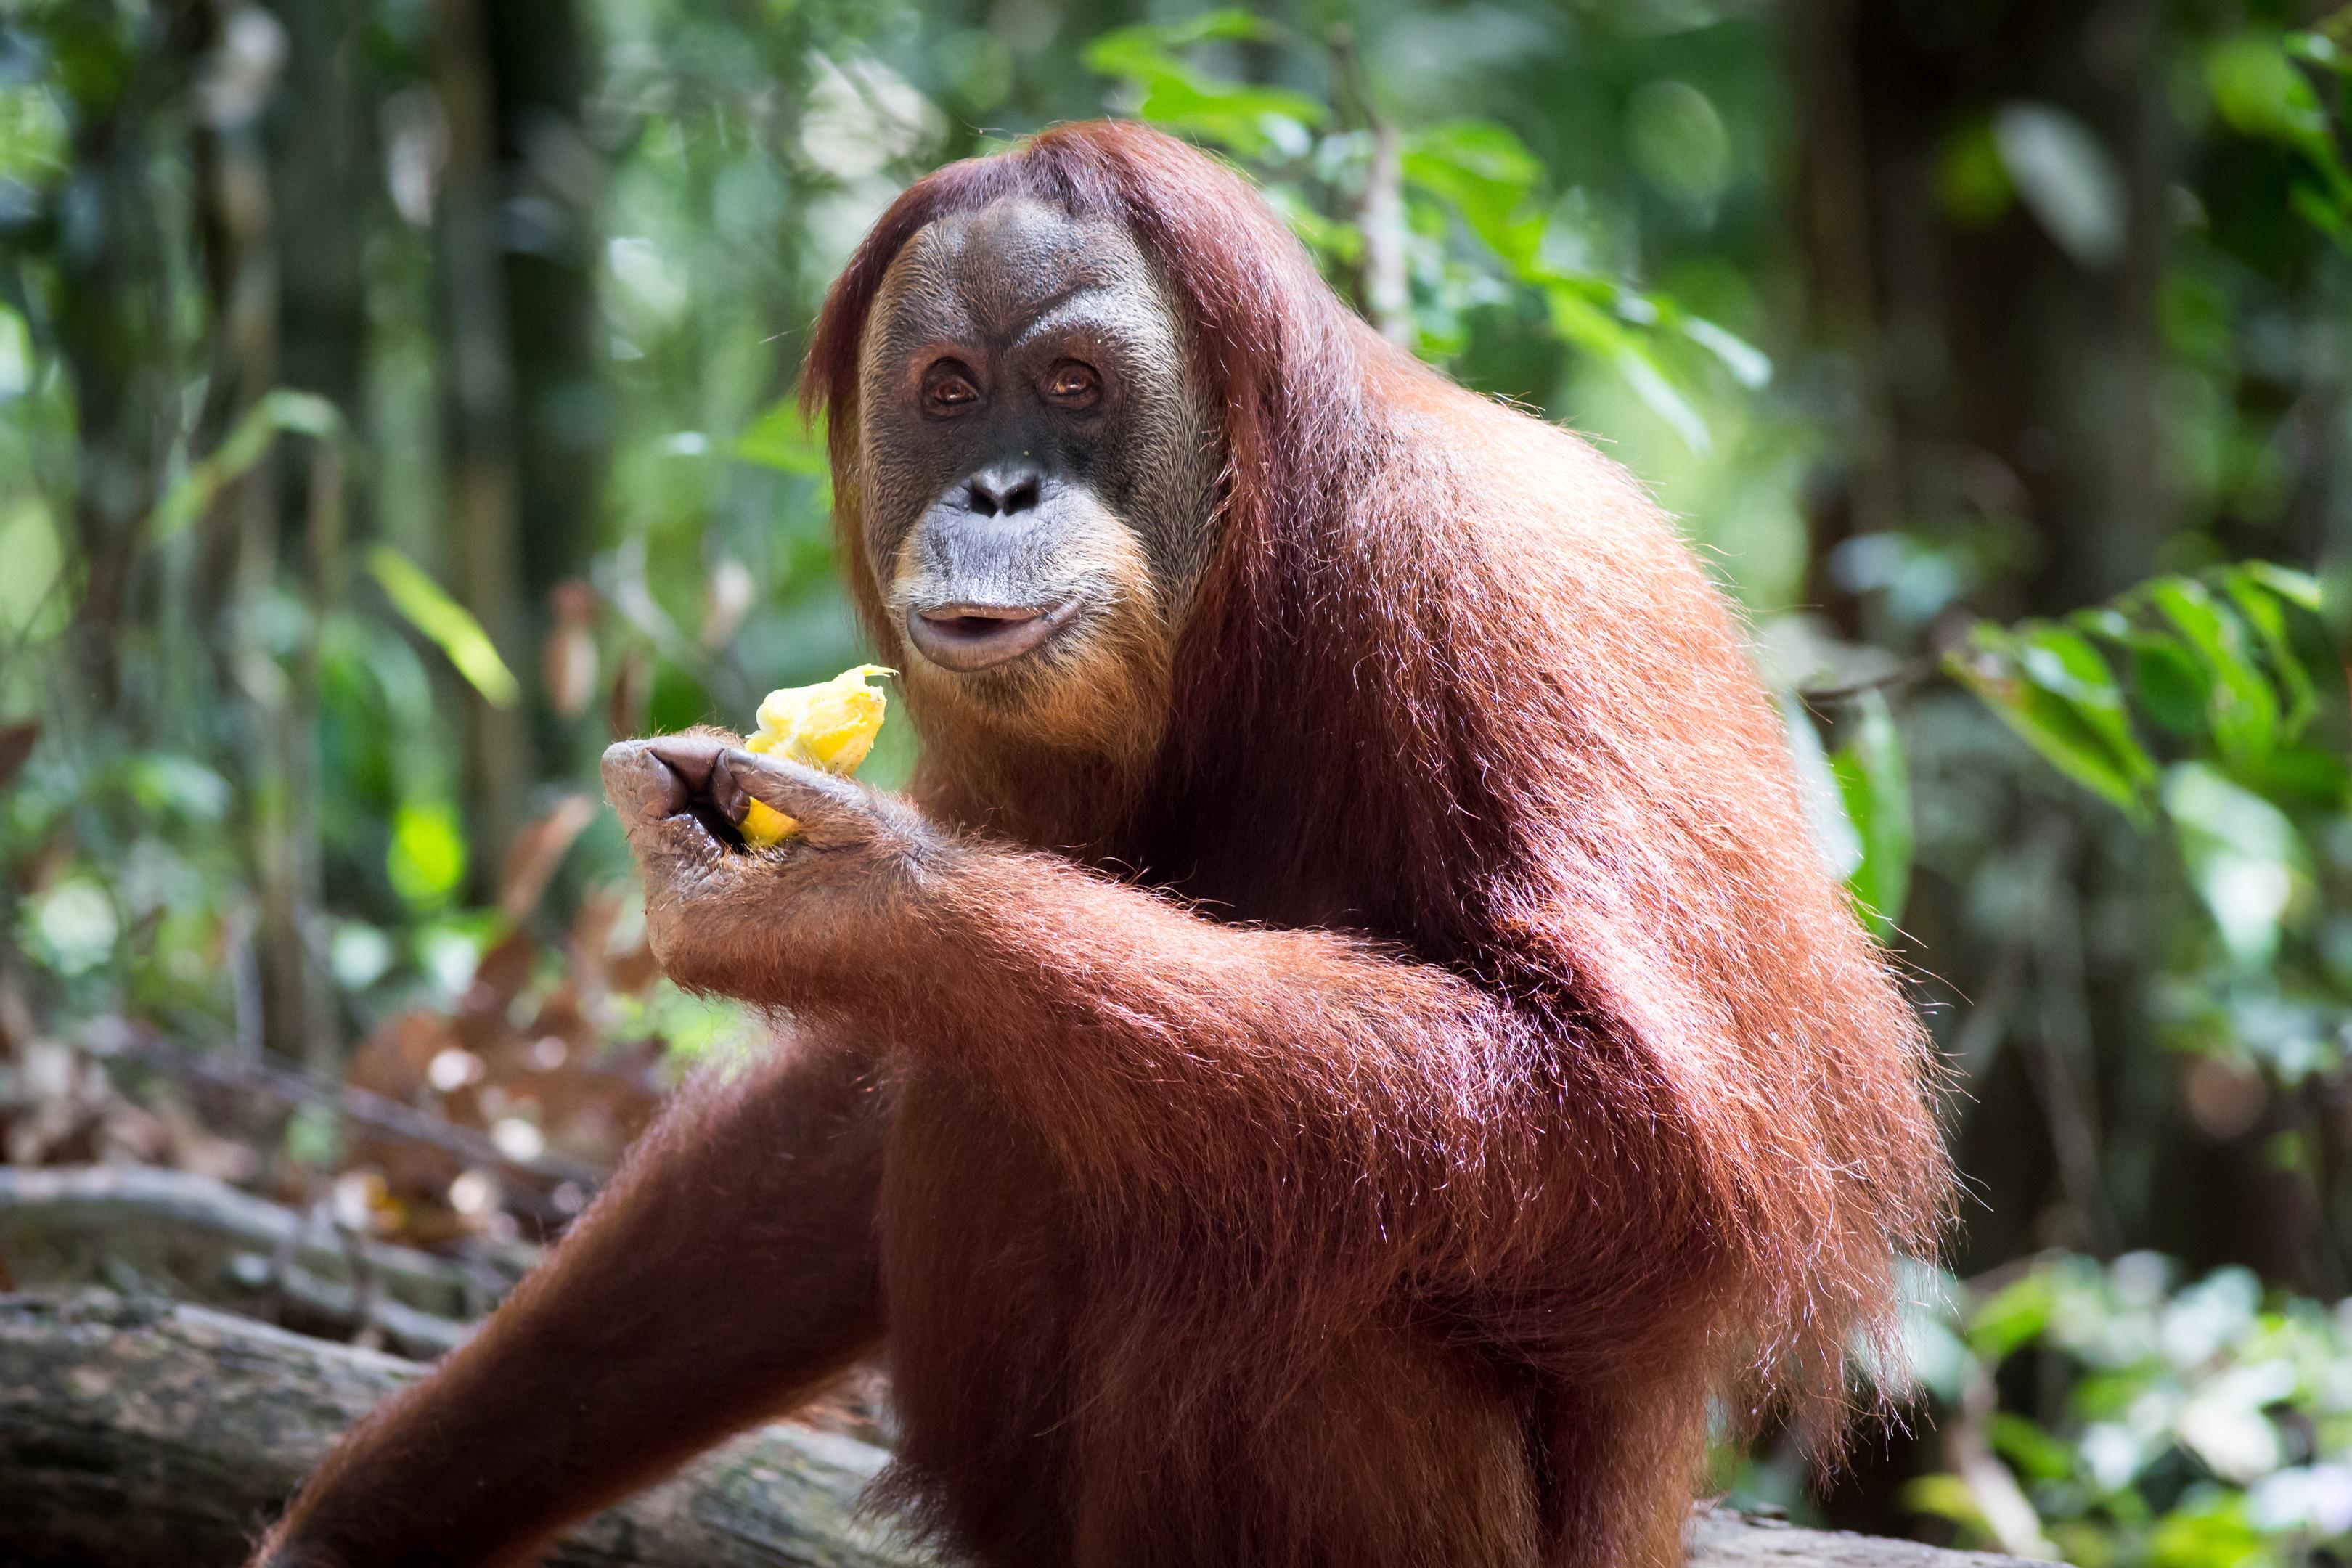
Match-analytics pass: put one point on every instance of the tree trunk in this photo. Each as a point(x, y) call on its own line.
point(481, 535)
point(328, 181)
point(118, 338)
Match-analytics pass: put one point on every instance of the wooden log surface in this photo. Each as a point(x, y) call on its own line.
point(135, 1434)
point(141, 1230)
point(1723, 1540)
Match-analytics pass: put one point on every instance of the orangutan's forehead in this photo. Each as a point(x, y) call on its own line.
point(990, 275)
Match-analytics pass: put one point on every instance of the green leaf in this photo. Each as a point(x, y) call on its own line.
point(2317, 775)
point(2260, 92)
point(1486, 174)
point(1484, 151)
point(2261, 609)
point(445, 623)
point(1876, 786)
point(2242, 709)
point(2300, 589)
point(2243, 855)
point(2064, 664)
point(2057, 707)
point(1970, 179)
point(1585, 325)
point(426, 856)
point(1834, 839)
point(1248, 118)
point(2166, 677)
point(2318, 49)
point(2016, 1315)
point(783, 438)
point(1119, 51)
point(2030, 1450)
point(1944, 1497)
point(37, 590)
point(283, 410)
point(2320, 210)
point(1751, 366)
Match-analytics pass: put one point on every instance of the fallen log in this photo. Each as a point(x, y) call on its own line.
point(138, 1230)
point(139, 1434)
point(1720, 1539)
point(142, 1434)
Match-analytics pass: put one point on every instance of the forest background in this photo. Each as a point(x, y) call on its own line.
point(395, 403)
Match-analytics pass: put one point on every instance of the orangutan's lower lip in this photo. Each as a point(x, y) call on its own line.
point(966, 637)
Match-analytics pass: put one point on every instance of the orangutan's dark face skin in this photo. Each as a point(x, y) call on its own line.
point(1038, 477)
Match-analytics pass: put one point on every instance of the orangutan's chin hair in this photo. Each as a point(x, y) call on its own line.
point(1081, 718)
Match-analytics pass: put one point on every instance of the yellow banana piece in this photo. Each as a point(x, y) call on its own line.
point(830, 725)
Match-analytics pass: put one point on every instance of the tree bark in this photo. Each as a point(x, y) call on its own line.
point(137, 1434)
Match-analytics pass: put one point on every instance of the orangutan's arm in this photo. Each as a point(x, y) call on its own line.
point(728, 1271)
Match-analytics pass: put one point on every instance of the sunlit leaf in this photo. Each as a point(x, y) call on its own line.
point(426, 856)
point(1246, 117)
point(2244, 857)
point(2167, 679)
point(2065, 177)
point(2064, 663)
point(1587, 326)
point(2260, 92)
point(1112, 52)
point(2300, 589)
point(36, 591)
point(2016, 1314)
point(2042, 686)
point(2033, 1452)
point(1944, 1497)
point(445, 623)
point(1834, 839)
point(1749, 365)
point(1876, 788)
point(1487, 173)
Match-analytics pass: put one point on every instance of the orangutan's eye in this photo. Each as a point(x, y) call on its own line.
point(1074, 385)
point(948, 388)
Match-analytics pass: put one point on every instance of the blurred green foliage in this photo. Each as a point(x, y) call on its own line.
point(2146, 1421)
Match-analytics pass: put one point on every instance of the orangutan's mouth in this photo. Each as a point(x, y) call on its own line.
point(966, 637)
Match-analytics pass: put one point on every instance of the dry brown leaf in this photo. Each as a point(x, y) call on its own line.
point(538, 850)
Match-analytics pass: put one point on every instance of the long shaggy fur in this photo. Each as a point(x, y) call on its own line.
point(1455, 685)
